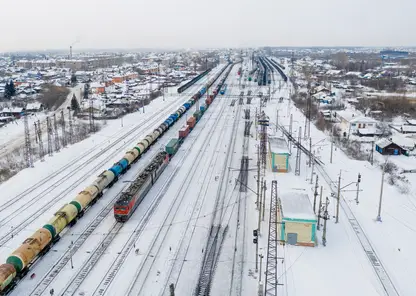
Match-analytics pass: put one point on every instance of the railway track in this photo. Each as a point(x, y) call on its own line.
point(13, 231)
point(218, 231)
point(240, 229)
point(74, 162)
point(385, 280)
point(77, 280)
point(175, 269)
point(143, 272)
point(10, 234)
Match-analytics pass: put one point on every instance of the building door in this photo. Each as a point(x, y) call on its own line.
point(292, 238)
point(396, 151)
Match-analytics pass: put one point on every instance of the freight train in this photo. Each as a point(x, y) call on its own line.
point(192, 81)
point(134, 195)
point(18, 263)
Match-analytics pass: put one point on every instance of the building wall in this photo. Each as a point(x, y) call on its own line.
point(280, 162)
point(306, 231)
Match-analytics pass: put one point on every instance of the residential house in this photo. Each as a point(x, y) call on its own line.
point(15, 112)
point(351, 121)
point(388, 147)
point(97, 88)
point(34, 107)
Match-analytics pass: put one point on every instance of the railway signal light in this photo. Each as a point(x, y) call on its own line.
point(359, 178)
point(255, 240)
point(255, 232)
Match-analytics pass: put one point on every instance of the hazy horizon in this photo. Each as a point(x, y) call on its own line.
point(180, 24)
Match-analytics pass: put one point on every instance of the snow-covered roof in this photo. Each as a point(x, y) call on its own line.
point(408, 128)
point(296, 205)
point(411, 121)
point(363, 119)
point(383, 143)
point(278, 145)
point(33, 106)
point(369, 131)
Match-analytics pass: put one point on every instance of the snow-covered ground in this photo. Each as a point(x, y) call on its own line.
point(56, 181)
point(165, 240)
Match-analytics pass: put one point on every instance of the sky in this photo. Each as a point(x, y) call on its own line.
point(56, 24)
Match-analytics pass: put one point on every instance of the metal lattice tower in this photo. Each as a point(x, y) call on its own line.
point(298, 153)
point(28, 147)
point(39, 135)
point(272, 246)
point(71, 128)
point(56, 135)
point(50, 135)
point(64, 141)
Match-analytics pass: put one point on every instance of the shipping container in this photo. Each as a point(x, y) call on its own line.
point(191, 122)
point(208, 101)
point(172, 146)
point(202, 108)
point(183, 132)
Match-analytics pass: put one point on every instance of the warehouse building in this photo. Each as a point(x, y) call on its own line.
point(297, 219)
point(279, 154)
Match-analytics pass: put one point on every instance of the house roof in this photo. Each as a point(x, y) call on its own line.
point(33, 106)
point(296, 205)
point(408, 128)
point(363, 119)
point(383, 143)
point(369, 131)
point(278, 145)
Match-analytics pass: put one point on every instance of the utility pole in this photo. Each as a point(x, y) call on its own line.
point(310, 152)
point(28, 147)
point(261, 200)
point(372, 153)
point(381, 193)
point(50, 135)
point(319, 209)
point(332, 143)
point(39, 135)
point(298, 153)
point(261, 264)
point(258, 177)
point(277, 118)
point(338, 197)
point(264, 198)
point(313, 166)
point(326, 217)
point(63, 129)
point(358, 187)
point(315, 194)
point(56, 135)
point(71, 128)
point(290, 132)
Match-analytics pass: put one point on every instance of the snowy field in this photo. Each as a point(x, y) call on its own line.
point(166, 239)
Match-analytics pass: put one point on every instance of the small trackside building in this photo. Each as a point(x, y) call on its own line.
point(279, 154)
point(297, 219)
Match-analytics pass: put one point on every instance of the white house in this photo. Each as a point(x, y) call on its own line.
point(350, 122)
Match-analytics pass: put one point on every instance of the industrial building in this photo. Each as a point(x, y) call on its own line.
point(279, 154)
point(297, 219)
